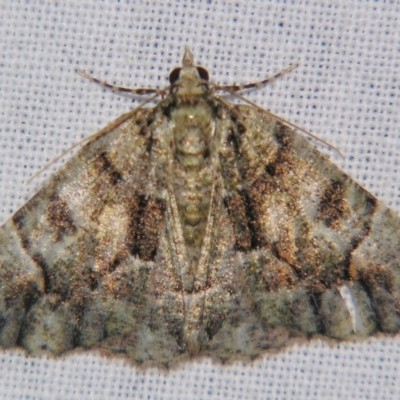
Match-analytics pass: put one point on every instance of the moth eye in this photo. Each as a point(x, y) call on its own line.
point(203, 73)
point(174, 75)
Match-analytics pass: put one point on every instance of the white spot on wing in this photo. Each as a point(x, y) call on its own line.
point(351, 306)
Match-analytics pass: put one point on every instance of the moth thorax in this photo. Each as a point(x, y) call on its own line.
point(193, 132)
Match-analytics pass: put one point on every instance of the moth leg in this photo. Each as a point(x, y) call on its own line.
point(270, 79)
point(139, 91)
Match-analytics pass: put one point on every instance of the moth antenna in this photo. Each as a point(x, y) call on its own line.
point(108, 128)
point(270, 79)
point(139, 91)
point(285, 121)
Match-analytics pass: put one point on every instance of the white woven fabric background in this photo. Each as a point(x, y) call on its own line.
point(346, 89)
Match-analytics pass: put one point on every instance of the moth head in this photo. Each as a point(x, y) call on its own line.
point(188, 79)
point(176, 72)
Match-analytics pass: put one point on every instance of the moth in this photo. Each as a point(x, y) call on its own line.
point(197, 227)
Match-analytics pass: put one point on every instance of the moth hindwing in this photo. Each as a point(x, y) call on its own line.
point(197, 227)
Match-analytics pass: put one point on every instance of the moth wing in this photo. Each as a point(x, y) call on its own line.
point(75, 259)
point(319, 254)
